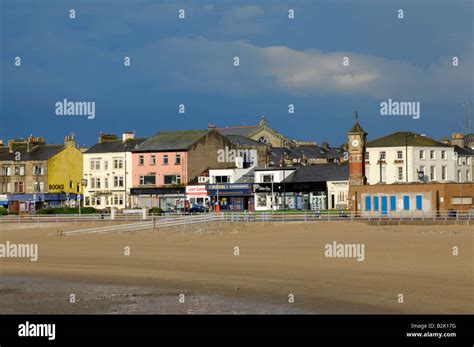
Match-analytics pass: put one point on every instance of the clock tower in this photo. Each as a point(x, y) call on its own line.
point(356, 148)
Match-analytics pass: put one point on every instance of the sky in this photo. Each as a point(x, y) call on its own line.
point(190, 61)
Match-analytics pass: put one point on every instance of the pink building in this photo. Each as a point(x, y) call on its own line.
point(164, 164)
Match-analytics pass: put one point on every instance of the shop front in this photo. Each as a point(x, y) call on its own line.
point(29, 203)
point(168, 199)
point(290, 196)
point(197, 195)
point(231, 196)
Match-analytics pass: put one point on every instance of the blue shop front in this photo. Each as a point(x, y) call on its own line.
point(231, 196)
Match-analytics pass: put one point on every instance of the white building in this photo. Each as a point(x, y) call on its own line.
point(108, 172)
point(269, 188)
point(408, 157)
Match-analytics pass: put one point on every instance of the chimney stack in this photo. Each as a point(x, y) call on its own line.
point(106, 137)
point(128, 135)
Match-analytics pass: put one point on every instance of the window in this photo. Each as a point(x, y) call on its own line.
point(106, 183)
point(444, 173)
point(87, 201)
point(97, 183)
point(92, 183)
point(443, 155)
point(19, 187)
point(432, 173)
point(222, 179)
point(178, 159)
point(153, 160)
point(141, 160)
point(459, 176)
point(4, 187)
point(267, 178)
point(383, 155)
point(400, 173)
point(38, 170)
point(106, 165)
point(172, 179)
point(118, 163)
point(422, 154)
point(399, 155)
point(95, 164)
point(118, 199)
point(149, 179)
point(38, 187)
point(468, 175)
point(19, 170)
point(165, 159)
point(118, 181)
point(432, 155)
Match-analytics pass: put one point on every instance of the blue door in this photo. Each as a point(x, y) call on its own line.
point(393, 203)
point(419, 203)
point(384, 205)
point(376, 203)
point(406, 203)
point(368, 206)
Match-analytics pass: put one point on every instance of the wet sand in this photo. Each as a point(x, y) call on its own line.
point(275, 260)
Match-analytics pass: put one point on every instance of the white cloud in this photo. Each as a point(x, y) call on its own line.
point(246, 12)
point(198, 64)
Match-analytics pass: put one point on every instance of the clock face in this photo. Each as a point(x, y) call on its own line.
point(263, 139)
point(355, 143)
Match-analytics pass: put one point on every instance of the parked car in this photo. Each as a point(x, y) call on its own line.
point(195, 208)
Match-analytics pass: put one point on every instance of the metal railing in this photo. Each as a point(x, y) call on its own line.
point(270, 216)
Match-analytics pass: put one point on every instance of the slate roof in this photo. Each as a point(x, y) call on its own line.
point(319, 173)
point(463, 151)
point(245, 130)
point(115, 146)
point(401, 138)
point(41, 152)
point(172, 141)
point(311, 152)
point(243, 141)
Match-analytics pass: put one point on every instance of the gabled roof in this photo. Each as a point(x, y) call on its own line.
point(405, 138)
point(40, 152)
point(172, 141)
point(319, 173)
point(240, 140)
point(240, 130)
point(115, 146)
point(463, 151)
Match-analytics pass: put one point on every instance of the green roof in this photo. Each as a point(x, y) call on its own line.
point(357, 129)
point(172, 141)
point(405, 138)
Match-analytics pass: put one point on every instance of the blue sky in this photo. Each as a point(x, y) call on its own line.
point(190, 61)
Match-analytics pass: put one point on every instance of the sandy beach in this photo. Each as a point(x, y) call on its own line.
point(276, 261)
